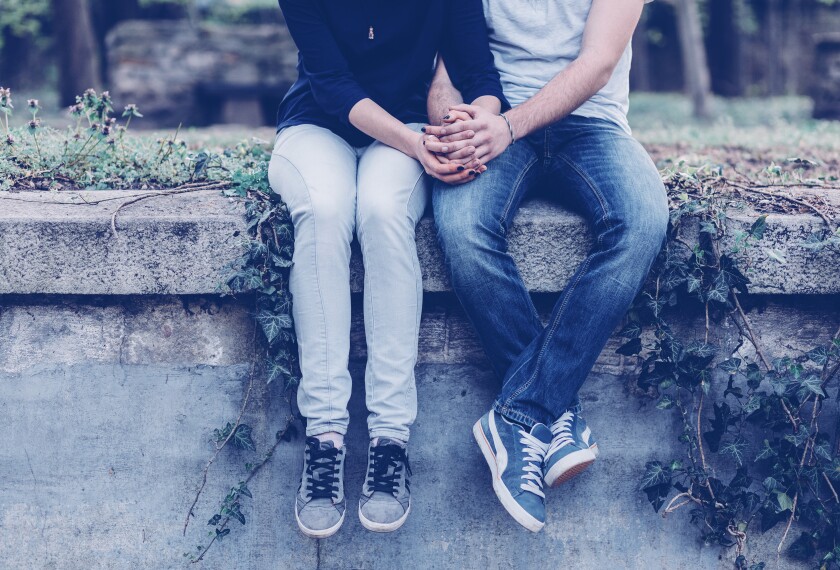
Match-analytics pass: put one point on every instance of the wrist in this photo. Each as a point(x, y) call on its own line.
point(508, 127)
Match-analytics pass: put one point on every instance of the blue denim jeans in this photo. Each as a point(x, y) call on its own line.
point(606, 175)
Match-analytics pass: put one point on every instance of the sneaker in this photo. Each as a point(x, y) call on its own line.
point(386, 497)
point(320, 503)
point(515, 457)
point(572, 450)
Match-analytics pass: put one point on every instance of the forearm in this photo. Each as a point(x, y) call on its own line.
point(376, 122)
point(566, 92)
point(609, 27)
point(442, 95)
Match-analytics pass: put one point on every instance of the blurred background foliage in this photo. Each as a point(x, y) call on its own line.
point(701, 48)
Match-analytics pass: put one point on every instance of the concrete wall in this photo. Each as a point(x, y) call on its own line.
point(110, 391)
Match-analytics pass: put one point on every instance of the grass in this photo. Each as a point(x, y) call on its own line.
point(782, 123)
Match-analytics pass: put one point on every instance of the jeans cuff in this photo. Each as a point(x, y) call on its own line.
point(401, 435)
point(319, 429)
point(514, 415)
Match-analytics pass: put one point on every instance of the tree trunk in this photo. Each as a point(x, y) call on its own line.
point(640, 70)
point(724, 48)
point(695, 66)
point(78, 56)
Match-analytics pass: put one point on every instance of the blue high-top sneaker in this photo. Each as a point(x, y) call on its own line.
point(572, 450)
point(515, 457)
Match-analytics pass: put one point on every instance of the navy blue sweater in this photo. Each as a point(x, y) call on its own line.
point(349, 50)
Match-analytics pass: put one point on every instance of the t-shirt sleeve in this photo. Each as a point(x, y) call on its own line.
point(333, 84)
point(465, 49)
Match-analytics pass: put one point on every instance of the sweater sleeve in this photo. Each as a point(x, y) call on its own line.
point(333, 84)
point(466, 50)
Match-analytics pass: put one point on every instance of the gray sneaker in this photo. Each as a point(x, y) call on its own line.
point(320, 503)
point(386, 497)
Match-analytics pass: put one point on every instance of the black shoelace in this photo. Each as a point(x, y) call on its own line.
point(386, 468)
point(325, 462)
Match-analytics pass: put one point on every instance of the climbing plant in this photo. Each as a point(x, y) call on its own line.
point(755, 454)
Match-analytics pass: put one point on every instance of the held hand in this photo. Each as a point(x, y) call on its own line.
point(491, 138)
point(440, 167)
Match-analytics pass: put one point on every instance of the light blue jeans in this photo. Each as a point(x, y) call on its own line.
point(332, 190)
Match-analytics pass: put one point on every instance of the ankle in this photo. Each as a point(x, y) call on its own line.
point(336, 438)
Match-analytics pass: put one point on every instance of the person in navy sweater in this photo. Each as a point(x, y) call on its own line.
point(350, 157)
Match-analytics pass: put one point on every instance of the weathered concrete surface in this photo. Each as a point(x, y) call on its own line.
point(109, 404)
point(183, 244)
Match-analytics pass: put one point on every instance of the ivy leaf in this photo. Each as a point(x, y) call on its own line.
point(655, 474)
point(803, 548)
point(730, 365)
point(822, 448)
point(753, 404)
point(784, 501)
point(819, 355)
point(277, 370)
point(632, 330)
point(811, 384)
point(215, 520)
point(243, 488)
point(272, 324)
point(630, 348)
point(665, 402)
point(242, 438)
point(758, 227)
point(720, 422)
point(775, 255)
point(222, 533)
point(736, 449)
point(754, 376)
point(766, 452)
point(798, 438)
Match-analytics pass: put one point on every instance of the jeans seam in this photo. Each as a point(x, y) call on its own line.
point(418, 277)
point(317, 281)
point(581, 271)
point(514, 191)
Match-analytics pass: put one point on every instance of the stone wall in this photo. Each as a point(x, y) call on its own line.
point(117, 361)
point(177, 72)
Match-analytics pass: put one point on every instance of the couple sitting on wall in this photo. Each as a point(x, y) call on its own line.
point(470, 105)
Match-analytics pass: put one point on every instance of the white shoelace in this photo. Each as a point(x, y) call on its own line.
point(534, 453)
point(562, 431)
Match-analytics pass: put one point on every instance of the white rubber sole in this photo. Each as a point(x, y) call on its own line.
point(513, 508)
point(326, 533)
point(570, 466)
point(384, 527)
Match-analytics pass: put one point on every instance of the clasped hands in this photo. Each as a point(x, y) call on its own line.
point(460, 149)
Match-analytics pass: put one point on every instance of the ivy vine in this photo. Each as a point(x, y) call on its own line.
point(764, 428)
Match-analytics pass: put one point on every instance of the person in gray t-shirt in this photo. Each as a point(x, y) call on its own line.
point(564, 66)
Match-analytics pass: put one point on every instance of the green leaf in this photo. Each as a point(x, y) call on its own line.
point(632, 330)
point(784, 500)
point(243, 488)
point(736, 449)
point(759, 226)
point(655, 474)
point(766, 452)
point(665, 402)
point(811, 384)
point(730, 365)
point(775, 255)
point(752, 404)
point(272, 324)
point(819, 355)
point(242, 438)
point(630, 348)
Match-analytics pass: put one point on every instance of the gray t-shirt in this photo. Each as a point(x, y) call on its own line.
point(534, 40)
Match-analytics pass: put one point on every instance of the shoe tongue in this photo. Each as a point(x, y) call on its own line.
point(389, 441)
point(542, 433)
point(326, 445)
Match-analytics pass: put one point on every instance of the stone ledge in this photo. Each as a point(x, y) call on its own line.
point(182, 244)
